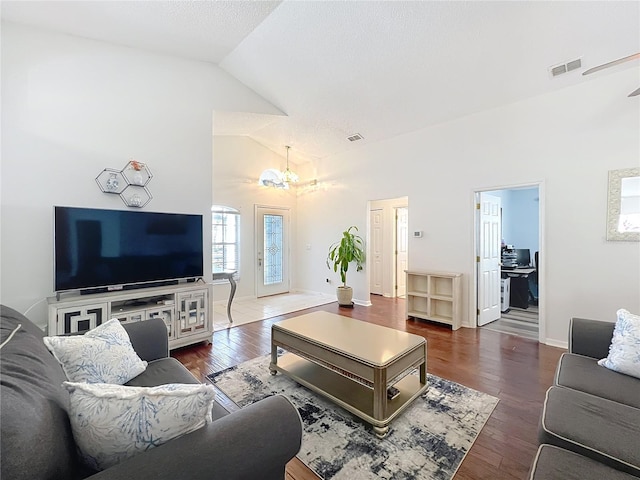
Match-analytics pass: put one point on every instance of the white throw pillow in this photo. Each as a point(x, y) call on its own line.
point(111, 423)
point(102, 355)
point(624, 351)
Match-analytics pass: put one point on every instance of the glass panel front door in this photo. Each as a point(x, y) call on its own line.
point(272, 249)
point(272, 255)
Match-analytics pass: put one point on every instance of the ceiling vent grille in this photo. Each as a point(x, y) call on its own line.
point(574, 65)
point(565, 67)
point(355, 137)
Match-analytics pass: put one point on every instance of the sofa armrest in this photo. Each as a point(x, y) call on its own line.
point(254, 442)
point(149, 338)
point(590, 337)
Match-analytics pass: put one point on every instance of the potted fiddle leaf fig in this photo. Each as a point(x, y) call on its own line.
point(350, 249)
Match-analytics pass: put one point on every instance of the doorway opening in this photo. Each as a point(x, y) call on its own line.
point(508, 246)
point(388, 246)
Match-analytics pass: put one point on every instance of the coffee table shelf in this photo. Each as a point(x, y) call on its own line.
point(352, 396)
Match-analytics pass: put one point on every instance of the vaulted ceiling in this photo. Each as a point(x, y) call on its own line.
point(377, 68)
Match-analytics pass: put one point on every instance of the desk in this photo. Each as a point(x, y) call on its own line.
point(520, 271)
point(519, 297)
point(228, 276)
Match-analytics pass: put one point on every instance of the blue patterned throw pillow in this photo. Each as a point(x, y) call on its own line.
point(102, 355)
point(111, 423)
point(624, 351)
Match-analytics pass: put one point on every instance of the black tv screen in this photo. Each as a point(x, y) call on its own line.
point(96, 248)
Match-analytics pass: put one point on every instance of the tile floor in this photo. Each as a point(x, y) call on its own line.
point(247, 310)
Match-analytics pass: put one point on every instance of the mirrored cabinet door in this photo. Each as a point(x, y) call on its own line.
point(192, 313)
point(166, 314)
point(78, 319)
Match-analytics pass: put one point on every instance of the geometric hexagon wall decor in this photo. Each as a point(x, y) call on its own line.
point(137, 173)
point(136, 196)
point(111, 181)
point(130, 183)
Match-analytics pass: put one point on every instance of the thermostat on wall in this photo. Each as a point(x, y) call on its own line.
point(417, 234)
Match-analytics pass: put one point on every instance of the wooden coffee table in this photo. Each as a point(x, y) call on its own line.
point(352, 363)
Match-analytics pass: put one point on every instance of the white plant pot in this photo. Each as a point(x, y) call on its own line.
point(345, 294)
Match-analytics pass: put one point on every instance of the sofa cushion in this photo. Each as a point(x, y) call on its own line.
point(102, 355)
point(624, 352)
point(36, 439)
point(553, 463)
point(583, 373)
point(595, 427)
point(162, 371)
point(170, 370)
point(114, 422)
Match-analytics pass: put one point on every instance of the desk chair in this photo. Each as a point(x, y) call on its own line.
point(533, 285)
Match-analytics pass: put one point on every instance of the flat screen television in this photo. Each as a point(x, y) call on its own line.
point(97, 249)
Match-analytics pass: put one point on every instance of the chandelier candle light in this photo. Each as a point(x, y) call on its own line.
point(276, 179)
point(288, 176)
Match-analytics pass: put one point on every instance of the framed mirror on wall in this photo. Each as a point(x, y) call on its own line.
point(623, 206)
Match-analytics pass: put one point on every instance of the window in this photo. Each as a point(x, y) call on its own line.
point(225, 229)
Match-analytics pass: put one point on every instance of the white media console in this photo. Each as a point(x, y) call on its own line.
point(185, 309)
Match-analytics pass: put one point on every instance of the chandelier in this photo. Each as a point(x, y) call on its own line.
point(272, 177)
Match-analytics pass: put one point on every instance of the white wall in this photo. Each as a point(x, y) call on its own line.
point(568, 140)
point(237, 164)
point(72, 107)
point(520, 217)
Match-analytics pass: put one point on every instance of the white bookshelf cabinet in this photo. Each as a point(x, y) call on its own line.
point(185, 309)
point(435, 296)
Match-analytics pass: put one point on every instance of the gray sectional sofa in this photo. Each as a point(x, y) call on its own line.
point(590, 423)
point(36, 441)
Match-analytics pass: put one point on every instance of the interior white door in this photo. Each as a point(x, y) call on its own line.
point(272, 251)
point(402, 252)
point(377, 244)
point(489, 259)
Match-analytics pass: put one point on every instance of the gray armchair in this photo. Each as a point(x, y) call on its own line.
point(36, 440)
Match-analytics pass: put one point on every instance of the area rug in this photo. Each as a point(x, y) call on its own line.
point(428, 441)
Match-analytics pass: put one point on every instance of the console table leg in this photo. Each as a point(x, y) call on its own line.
point(231, 294)
point(229, 276)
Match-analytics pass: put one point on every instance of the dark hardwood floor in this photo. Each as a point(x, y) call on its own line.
point(516, 370)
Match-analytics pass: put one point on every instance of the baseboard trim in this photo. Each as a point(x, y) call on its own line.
point(235, 299)
point(363, 303)
point(556, 343)
point(253, 297)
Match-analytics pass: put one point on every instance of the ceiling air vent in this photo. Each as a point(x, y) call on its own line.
point(565, 67)
point(355, 137)
point(574, 65)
